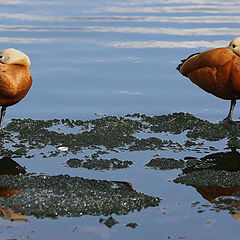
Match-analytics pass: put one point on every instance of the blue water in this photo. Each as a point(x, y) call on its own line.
point(118, 57)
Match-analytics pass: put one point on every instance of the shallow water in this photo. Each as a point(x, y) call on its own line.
point(96, 58)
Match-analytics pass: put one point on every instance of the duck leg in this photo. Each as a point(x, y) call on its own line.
point(3, 111)
point(228, 119)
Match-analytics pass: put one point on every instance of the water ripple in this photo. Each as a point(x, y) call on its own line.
point(140, 30)
point(26, 40)
point(167, 31)
point(29, 2)
point(123, 44)
point(132, 18)
point(213, 9)
point(168, 2)
point(168, 44)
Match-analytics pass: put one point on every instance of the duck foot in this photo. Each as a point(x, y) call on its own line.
point(230, 121)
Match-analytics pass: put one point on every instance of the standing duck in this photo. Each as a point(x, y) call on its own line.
point(216, 71)
point(15, 79)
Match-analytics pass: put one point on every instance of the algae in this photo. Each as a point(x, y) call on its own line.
point(45, 196)
point(62, 195)
point(221, 188)
point(165, 163)
point(176, 132)
point(96, 163)
point(217, 178)
point(131, 225)
point(209, 177)
point(112, 133)
point(217, 169)
point(110, 222)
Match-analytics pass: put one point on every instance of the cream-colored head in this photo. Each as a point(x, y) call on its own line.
point(234, 45)
point(14, 56)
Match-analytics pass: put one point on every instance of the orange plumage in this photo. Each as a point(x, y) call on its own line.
point(217, 71)
point(15, 82)
point(15, 78)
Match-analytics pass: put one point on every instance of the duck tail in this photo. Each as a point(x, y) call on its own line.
point(184, 60)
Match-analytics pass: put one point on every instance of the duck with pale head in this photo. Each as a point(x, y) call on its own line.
point(15, 79)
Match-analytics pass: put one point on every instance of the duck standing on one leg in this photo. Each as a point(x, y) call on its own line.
point(217, 71)
point(15, 79)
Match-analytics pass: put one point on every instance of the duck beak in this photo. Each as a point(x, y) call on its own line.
point(1, 56)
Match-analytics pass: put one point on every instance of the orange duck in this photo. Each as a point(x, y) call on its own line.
point(15, 79)
point(217, 71)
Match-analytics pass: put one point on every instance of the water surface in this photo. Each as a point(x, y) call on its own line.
point(96, 58)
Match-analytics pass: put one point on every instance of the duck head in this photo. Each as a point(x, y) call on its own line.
point(14, 56)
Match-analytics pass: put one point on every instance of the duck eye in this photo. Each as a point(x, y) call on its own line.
point(233, 46)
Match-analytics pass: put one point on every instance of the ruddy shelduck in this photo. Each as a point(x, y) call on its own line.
point(15, 78)
point(217, 71)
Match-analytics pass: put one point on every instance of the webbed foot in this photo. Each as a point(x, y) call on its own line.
point(230, 121)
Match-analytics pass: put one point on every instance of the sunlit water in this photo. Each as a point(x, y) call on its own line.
point(116, 57)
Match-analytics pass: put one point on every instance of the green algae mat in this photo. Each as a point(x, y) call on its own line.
point(129, 133)
point(89, 145)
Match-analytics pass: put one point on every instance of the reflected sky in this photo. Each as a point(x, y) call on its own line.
point(29, 2)
point(124, 2)
point(116, 18)
point(101, 43)
point(125, 44)
point(141, 30)
point(96, 58)
point(216, 9)
point(204, 24)
point(139, 2)
point(25, 40)
point(168, 44)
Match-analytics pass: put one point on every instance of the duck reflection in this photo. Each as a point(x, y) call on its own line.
point(10, 167)
point(8, 192)
point(212, 193)
point(8, 214)
point(227, 161)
